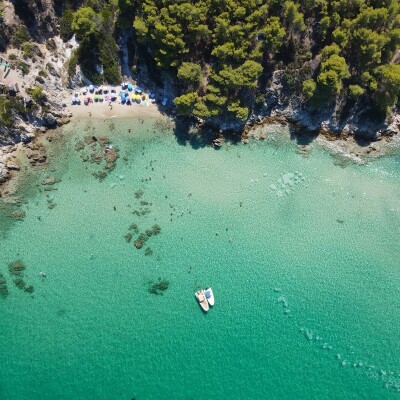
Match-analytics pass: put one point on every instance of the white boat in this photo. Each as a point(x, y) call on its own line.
point(201, 298)
point(208, 293)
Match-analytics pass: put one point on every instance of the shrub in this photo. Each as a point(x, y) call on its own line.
point(356, 91)
point(27, 49)
point(24, 67)
point(66, 31)
point(38, 94)
point(20, 35)
point(189, 72)
point(309, 87)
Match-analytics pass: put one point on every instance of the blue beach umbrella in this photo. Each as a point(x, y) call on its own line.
point(91, 88)
point(130, 87)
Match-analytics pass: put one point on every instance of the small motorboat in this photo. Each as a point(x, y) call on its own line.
point(208, 293)
point(201, 298)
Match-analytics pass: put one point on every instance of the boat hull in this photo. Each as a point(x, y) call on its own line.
point(201, 298)
point(209, 296)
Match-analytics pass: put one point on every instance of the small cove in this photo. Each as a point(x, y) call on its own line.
point(302, 255)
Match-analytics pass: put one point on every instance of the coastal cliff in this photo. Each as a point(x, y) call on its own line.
point(287, 69)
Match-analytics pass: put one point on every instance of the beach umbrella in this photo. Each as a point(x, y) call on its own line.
point(121, 93)
point(91, 88)
point(84, 90)
point(73, 100)
point(107, 98)
point(100, 98)
point(130, 87)
point(76, 94)
point(138, 89)
point(105, 90)
point(164, 101)
point(86, 102)
point(123, 85)
point(96, 97)
point(113, 97)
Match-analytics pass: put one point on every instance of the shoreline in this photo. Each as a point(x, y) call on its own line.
point(103, 111)
point(16, 159)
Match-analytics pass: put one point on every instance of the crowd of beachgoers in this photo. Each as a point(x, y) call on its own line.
point(126, 93)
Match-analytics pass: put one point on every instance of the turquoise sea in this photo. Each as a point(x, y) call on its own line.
point(302, 253)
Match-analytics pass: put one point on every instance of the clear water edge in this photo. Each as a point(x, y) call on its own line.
point(92, 330)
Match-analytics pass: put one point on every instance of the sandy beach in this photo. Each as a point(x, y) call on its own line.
point(17, 156)
point(117, 110)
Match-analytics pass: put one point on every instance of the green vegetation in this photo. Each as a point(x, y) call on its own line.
point(222, 53)
point(27, 49)
point(20, 35)
point(6, 116)
point(95, 25)
point(8, 106)
point(23, 66)
point(66, 20)
point(38, 95)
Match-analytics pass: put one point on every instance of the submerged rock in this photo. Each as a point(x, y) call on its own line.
point(29, 289)
point(90, 139)
point(16, 267)
point(79, 146)
point(51, 180)
point(138, 244)
point(134, 227)
point(20, 283)
point(156, 229)
point(148, 252)
point(18, 215)
point(104, 140)
point(100, 175)
point(158, 287)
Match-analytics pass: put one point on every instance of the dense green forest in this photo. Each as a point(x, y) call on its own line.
point(222, 53)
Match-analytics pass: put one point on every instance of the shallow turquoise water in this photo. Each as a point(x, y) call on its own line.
point(307, 282)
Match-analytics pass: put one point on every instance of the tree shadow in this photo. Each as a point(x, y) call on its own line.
point(187, 134)
point(302, 136)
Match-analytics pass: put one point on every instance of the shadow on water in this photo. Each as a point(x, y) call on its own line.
point(187, 133)
point(302, 137)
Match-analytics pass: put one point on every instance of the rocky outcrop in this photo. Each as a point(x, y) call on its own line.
point(38, 16)
point(357, 122)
